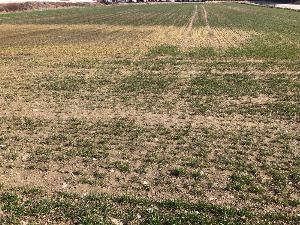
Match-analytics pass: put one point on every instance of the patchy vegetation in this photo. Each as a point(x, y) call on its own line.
point(12, 7)
point(150, 117)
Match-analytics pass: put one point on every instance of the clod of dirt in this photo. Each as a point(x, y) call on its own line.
point(116, 221)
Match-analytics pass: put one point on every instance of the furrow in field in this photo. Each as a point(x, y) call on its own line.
point(98, 17)
point(216, 36)
point(157, 17)
point(79, 41)
point(206, 18)
point(192, 21)
point(209, 37)
point(107, 109)
point(178, 16)
point(186, 38)
point(128, 13)
point(174, 16)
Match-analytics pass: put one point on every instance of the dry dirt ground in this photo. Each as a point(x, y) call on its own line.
point(100, 108)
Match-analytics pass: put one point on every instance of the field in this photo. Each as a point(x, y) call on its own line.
point(150, 114)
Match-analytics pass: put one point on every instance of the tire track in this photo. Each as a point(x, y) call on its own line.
point(206, 18)
point(213, 38)
point(189, 29)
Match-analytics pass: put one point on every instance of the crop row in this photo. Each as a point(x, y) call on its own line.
point(126, 15)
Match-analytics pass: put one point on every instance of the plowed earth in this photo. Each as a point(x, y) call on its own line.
point(202, 109)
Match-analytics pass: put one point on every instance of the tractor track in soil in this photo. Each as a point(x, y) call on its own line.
point(187, 36)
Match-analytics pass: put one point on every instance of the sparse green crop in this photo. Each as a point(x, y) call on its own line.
point(150, 114)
